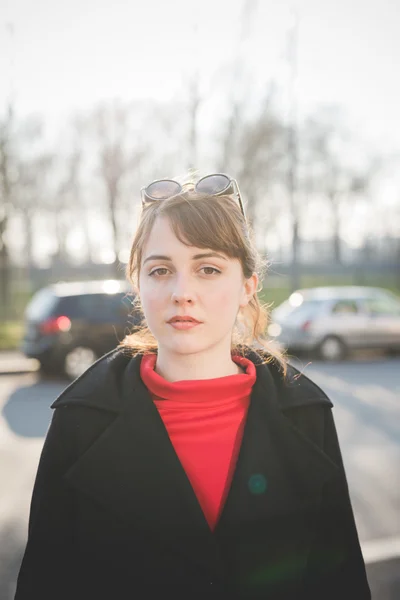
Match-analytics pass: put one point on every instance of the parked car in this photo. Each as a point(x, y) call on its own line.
point(69, 325)
point(334, 320)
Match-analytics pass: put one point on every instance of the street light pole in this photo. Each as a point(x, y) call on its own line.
point(292, 145)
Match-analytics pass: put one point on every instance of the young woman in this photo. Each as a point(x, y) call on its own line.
point(192, 461)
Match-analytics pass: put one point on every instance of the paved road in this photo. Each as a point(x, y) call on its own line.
point(366, 395)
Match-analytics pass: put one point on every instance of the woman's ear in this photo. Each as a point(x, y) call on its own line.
point(249, 289)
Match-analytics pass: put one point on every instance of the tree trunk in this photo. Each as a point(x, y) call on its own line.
point(5, 274)
point(86, 234)
point(294, 265)
point(336, 239)
point(61, 236)
point(5, 195)
point(112, 205)
point(27, 219)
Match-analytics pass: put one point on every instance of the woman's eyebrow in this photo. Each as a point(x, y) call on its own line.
point(157, 257)
point(194, 257)
point(208, 255)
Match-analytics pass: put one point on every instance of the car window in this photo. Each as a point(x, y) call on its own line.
point(345, 307)
point(107, 307)
point(41, 305)
point(119, 304)
point(306, 310)
point(70, 306)
point(382, 305)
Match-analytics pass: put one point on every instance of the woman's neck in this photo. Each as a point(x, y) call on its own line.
point(173, 367)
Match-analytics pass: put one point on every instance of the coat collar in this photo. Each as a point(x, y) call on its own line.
point(101, 386)
point(132, 468)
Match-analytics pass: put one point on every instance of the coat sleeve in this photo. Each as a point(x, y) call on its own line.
point(336, 568)
point(48, 559)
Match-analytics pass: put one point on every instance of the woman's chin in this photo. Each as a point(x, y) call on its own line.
point(184, 346)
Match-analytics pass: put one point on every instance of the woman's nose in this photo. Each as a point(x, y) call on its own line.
point(181, 298)
point(182, 292)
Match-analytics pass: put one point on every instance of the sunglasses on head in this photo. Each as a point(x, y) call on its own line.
point(217, 184)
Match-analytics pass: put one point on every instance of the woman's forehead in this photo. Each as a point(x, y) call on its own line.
point(163, 240)
point(161, 233)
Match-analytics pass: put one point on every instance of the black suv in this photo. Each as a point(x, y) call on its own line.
point(69, 325)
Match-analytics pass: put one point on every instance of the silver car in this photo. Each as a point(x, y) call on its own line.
point(333, 320)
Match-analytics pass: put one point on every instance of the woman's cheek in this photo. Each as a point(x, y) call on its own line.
point(226, 296)
point(152, 304)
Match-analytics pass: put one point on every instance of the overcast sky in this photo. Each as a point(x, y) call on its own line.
point(66, 55)
point(57, 56)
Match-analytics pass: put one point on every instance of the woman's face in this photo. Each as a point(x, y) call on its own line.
point(183, 281)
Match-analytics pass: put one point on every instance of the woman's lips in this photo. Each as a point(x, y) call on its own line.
point(184, 324)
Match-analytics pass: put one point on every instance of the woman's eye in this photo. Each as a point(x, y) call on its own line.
point(163, 271)
point(158, 272)
point(211, 271)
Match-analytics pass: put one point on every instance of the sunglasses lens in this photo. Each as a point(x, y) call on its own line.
point(161, 190)
point(213, 184)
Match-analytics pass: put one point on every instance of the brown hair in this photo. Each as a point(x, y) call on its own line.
point(205, 222)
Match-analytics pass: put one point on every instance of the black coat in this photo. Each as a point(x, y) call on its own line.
point(114, 516)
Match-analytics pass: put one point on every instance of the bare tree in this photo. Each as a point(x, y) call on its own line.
point(67, 202)
point(6, 187)
point(262, 151)
point(32, 165)
point(251, 144)
point(111, 124)
point(22, 170)
point(118, 137)
point(237, 97)
point(30, 195)
point(329, 170)
point(75, 179)
point(253, 147)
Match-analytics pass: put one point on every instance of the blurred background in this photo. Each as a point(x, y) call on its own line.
point(298, 100)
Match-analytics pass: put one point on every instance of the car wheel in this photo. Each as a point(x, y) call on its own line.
point(78, 360)
point(332, 348)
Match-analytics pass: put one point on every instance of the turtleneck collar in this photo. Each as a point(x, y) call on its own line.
point(232, 387)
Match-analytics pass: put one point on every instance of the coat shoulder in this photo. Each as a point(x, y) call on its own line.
point(302, 390)
point(302, 402)
point(294, 388)
point(99, 386)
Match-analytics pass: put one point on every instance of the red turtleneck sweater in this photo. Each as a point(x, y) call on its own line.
point(205, 421)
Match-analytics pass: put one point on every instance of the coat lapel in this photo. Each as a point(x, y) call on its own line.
point(132, 470)
point(274, 496)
